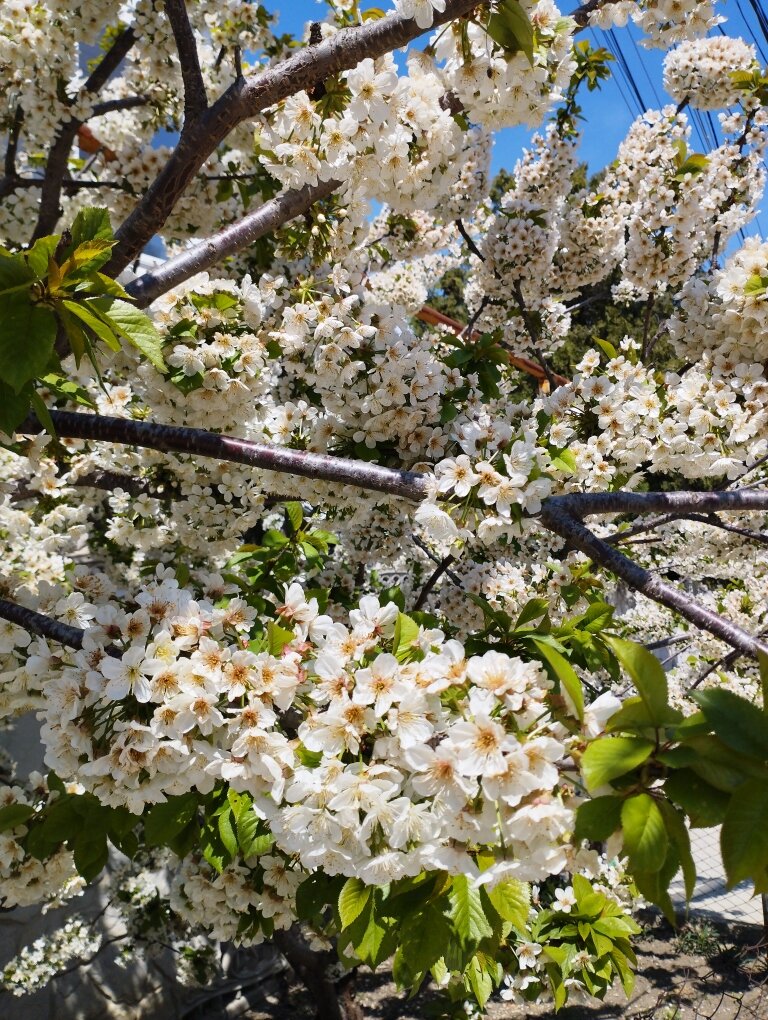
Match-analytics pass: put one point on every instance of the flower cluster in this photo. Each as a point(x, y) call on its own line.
point(24, 879)
point(370, 750)
point(700, 71)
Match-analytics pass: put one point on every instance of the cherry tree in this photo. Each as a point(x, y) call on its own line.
point(313, 594)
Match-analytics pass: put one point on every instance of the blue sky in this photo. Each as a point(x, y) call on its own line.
point(608, 112)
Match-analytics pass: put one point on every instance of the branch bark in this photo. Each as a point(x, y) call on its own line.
point(563, 516)
point(174, 438)
point(43, 626)
point(195, 97)
point(247, 97)
point(58, 157)
point(215, 249)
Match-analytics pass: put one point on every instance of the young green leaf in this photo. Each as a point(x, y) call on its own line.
point(645, 836)
point(647, 675)
point(353, 899)
point(132, 325)
point(611, 757)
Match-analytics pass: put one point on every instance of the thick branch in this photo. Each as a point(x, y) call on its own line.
point(58, 157)
point(174, 438)
point(195, 98)
point(247, 97)
point(43, 626)
point(562, 515)
point(232, 239)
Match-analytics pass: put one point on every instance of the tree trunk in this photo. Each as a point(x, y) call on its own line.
point(334, 997)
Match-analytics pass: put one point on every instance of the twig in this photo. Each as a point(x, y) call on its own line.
point(534, 334)
point(195, 98)
point(247, 97)
point(724, 662)
point(179, 439)
point(432, 580)
point(468, 239)
point(58, 157)
point(215, 249)
point(647, 325)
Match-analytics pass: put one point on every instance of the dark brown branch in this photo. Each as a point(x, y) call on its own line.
point(247, 97)
point(468, 239)
point(432, 580)
point(74, 185)
point(58, 157)
point(111, 105)
point(43, 626)
point(11, 175)
point(562, 515)
point(195, 97)
point(173, 438)
point(231, 239)
point(534, 333)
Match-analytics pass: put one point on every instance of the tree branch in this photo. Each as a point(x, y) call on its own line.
point(563, 516)
point(58, 157)
point(11, 175)
point(174, 438)
point(111, 105)
point(247, 97)
point(215, 249)
point(195, 97)
point(432, 580)
point(43, 626)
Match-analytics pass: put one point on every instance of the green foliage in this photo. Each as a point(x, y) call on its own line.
point(54, 300)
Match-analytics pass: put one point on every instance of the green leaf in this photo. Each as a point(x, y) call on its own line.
point(14, 814)
point(739, 724)
point(647, 675)
point(479, 980)
point(610, 757)
point(425, 938)
point(406, 632)
point(27, 335)
point(703, 803)
point(645, 836)
point(598, 819)
point(378, 941)
point(565, 674)
point(42, 412)
point(353, 899)
point(94, 323)
point(89, 256)
point(511, 28)
point(678, 835)
point(511, 899)
point(278, 637)
point(251, 835)
point(14, 407)
point(164, 821)
point(467, 914)
point(91, 224)
point(132, 325)
point(15, 274)
point(91, 854)
point(227, 832)
point(295, 514)
point(744, 836)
